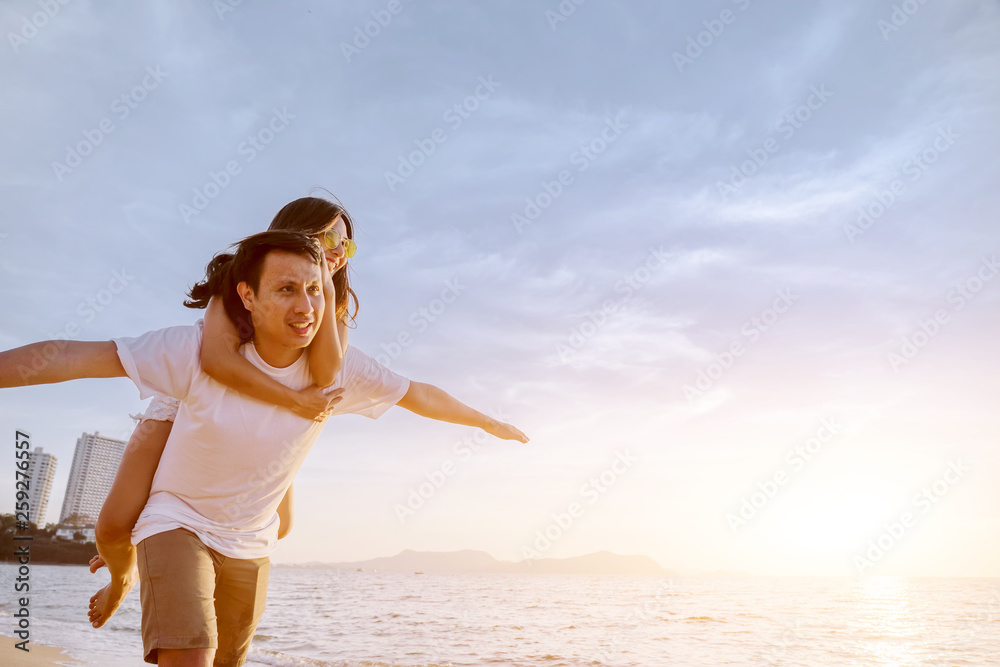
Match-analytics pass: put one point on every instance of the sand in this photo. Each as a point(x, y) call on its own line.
point(38, 656)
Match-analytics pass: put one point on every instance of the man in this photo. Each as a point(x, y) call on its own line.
point(209, 526)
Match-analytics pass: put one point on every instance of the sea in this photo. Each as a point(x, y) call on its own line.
point(323, 617)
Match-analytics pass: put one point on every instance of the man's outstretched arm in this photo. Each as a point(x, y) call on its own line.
point(54, 361)
point(433, 402)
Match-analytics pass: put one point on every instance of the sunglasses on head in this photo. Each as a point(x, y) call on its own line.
point(332, 239)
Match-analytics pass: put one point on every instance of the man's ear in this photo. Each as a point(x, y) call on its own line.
point(246, 295)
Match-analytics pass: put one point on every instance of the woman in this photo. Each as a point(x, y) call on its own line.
point(221, 360)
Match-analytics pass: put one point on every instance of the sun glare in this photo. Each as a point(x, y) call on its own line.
point(837, 523)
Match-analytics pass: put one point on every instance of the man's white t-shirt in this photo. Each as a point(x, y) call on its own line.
point(230, 458)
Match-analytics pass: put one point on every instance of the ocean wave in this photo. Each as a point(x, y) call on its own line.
point(261, 658)
point(560, 626)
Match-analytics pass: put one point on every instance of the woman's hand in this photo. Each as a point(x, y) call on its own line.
point(329, 289)
point(326, 353)
point(312, 403)
point(504, 431)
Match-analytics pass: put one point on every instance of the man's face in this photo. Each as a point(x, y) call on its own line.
point(288, 306)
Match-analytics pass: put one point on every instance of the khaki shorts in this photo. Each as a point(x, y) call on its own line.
point(194, 597)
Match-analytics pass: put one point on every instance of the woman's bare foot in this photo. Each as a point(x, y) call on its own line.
point(96, 563)
point(106, 601)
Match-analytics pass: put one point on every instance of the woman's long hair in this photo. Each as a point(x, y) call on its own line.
point(313, 216)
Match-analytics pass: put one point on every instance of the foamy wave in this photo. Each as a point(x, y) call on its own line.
point(260, 658)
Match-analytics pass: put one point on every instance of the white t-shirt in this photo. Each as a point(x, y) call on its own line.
point(365, 382)
point(230, 458)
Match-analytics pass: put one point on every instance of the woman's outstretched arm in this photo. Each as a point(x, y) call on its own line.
point(433, 402)
point(221, 360)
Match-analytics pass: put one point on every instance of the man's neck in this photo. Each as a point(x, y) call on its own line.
point(276, 355)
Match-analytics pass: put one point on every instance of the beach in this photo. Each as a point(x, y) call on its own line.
point(37, 656)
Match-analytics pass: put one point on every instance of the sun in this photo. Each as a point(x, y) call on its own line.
point(837, 523)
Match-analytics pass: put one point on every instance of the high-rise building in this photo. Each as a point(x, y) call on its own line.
point(41, 471)
point(95, 463)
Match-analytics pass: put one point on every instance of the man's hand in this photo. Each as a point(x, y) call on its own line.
point(504, 431)
point(312, 403)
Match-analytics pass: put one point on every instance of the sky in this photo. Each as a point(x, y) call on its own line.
point(732, 266)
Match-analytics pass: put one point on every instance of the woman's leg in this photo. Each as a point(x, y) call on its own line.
point(119, 513)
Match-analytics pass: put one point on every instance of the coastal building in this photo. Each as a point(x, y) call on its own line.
point(41, 472)
point(70, 533)
point(95, 463)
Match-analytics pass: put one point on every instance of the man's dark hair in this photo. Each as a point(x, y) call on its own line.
point(227, 270)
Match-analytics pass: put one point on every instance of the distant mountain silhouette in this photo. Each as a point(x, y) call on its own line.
point(602, 562)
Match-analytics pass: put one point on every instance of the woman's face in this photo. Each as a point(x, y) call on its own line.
point(335, 257)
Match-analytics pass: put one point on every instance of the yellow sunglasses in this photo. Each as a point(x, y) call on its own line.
point(332, 239)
